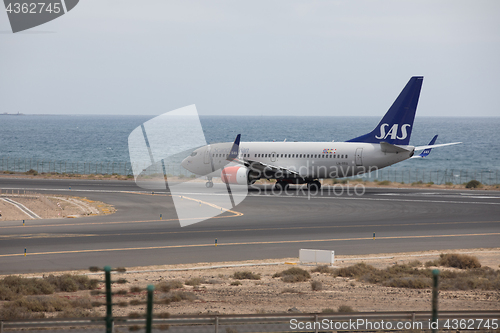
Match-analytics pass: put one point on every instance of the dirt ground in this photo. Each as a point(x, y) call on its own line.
point(48, 206)
point(271, 295)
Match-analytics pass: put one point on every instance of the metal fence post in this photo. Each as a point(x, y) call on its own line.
point(109, 315)
point(149, 314)
point(435, 290)
point(216, 324)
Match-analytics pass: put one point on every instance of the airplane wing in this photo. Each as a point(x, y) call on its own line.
point(262, 168)
point(436, 146)
point(271, 171)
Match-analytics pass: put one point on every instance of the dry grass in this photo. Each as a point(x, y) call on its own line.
point(166, 286)
point(196, 281)
point(177, 296)
point(292, 275)
point(406, 276)
point(31, 307)
point(345, 308)
point(245, 275)
point(462, 261)
point(316, 285)
point(12, 287)
point(323, 270)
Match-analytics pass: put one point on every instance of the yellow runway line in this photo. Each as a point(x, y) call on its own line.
point(248, 243)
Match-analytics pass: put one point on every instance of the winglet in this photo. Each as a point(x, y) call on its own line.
point(235, 149)
point(427, 151)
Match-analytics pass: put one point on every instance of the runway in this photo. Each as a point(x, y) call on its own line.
point(265, 225)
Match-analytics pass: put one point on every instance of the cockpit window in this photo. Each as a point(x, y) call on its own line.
point(194, 153)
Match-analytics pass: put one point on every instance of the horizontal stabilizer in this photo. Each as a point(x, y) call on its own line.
point(436, 146)
point(388, 148)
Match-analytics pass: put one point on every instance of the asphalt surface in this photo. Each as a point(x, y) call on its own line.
point(265, 225)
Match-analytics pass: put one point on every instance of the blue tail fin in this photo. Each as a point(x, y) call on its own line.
point(395, 128)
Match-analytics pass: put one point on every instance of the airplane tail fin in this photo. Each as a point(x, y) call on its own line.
point(396, 125)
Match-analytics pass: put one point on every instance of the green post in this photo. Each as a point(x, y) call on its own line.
point(109, 315)
point(149, 314)
point(435, 290)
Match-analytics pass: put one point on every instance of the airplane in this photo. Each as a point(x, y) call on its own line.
point(244, 163)
point(427, 151)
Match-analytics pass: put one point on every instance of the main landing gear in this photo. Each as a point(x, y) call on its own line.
point(314, 186)
point(281, 185)
point(209, 183)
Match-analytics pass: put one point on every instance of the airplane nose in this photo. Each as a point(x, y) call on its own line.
point(186, 163)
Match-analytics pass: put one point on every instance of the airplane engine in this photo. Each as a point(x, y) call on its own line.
point(237, 175)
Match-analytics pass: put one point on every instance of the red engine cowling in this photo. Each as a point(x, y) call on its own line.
point(235, 175)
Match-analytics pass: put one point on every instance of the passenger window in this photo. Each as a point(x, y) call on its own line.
point(281, 155)
point(342, 156)
point(345, 156)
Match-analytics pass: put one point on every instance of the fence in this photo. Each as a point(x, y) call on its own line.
point(411, 321)
point(408, 176)
point(85, 168)
point(450, 176)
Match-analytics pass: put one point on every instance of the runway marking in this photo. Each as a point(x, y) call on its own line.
point(246, 243)
point(46, 235)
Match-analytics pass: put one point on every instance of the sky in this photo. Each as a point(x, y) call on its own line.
point(273, 57)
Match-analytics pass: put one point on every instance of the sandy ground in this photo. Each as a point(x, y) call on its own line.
point(271, 295)
point(48, 206)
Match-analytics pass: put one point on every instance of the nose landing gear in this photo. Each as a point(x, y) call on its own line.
point(209, 183)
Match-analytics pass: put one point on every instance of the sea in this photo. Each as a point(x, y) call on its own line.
point(104, 138)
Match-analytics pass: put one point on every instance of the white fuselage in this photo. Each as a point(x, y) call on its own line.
point(309, 159)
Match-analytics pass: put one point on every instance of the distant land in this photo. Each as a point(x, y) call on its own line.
point(11, 114)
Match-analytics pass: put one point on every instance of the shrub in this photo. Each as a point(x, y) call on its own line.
point(328, 310)
point(246, 275)
point(13, 286)
point(355, 271)
point(384, 182)
point(410, 282)
point(32, 172)
point(461, 261)
point(71, 283)
point(294, 274)
point(316, 285)
point(196, 281)
point(166, 286)
point(178, 296)
point(473, 184)
point(345, 308)
point(322, 269)
point(236, 283)
point(432, 263)
point(405, 276)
